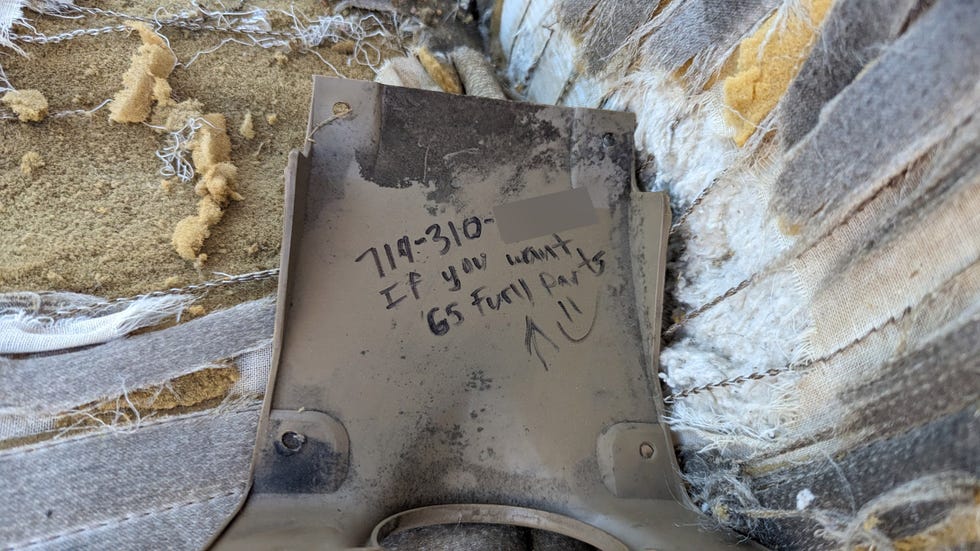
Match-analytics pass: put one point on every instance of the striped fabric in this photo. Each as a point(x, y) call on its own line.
point(820, 356)
point(144, 442)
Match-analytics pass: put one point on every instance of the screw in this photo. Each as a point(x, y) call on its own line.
point(608, 139)
point(292, 441)
point(646, 450)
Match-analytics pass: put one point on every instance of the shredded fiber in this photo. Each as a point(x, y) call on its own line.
point(406, 71)
point(22, 332)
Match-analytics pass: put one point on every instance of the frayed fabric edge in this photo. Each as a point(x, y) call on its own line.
point(729, 499)
point(12, 13)
point(25, 332)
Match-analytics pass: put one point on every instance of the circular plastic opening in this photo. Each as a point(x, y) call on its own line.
point(441, 525)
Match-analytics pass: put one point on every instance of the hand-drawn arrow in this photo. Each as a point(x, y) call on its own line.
point(531, 341)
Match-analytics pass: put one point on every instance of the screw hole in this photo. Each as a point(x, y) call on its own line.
point(292, 441)
point(341, 108)
point(647, 450)
point(608, 139)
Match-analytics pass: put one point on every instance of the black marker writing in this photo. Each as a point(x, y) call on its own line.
point(440, 325)
point(468, 265)
point(414, 278)
point(404, 247)
point(553, 251)
point(531, 331)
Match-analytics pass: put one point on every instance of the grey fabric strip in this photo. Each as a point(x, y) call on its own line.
point(903, 394)
point(950, 164)
point(253, 366)
point(702, 30)
point(612, 22)
point(956, 162)
point(911, 253)
point(921, 88)
point(189, 525)
point(854, 33)
point(105, 478)
point(933, 318)
point(574, 14)
point(948, 445)
point(53, 384)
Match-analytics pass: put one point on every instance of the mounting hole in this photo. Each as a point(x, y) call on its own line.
point(647, 450)
point(341, 108)
point(608, 139)
point(292, 441)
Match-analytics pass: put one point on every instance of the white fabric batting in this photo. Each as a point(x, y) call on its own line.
point(253, 365)
point(26, 332)
point(12, 13)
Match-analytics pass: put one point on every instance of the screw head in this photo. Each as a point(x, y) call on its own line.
point(292, 441)
point(647, 450)
point(608, 139)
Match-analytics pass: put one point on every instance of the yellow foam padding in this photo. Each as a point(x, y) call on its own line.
point(767, 61)
point(194, 390)
point(211, 152)
point(29, 105)
point(441, 70)
point(30, 162)
point(145, 82)
point(960, 528)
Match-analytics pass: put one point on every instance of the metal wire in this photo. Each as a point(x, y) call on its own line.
point(672, 398)
point(228, 280)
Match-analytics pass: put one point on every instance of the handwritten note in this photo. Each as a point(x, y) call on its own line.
point(550, 269)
